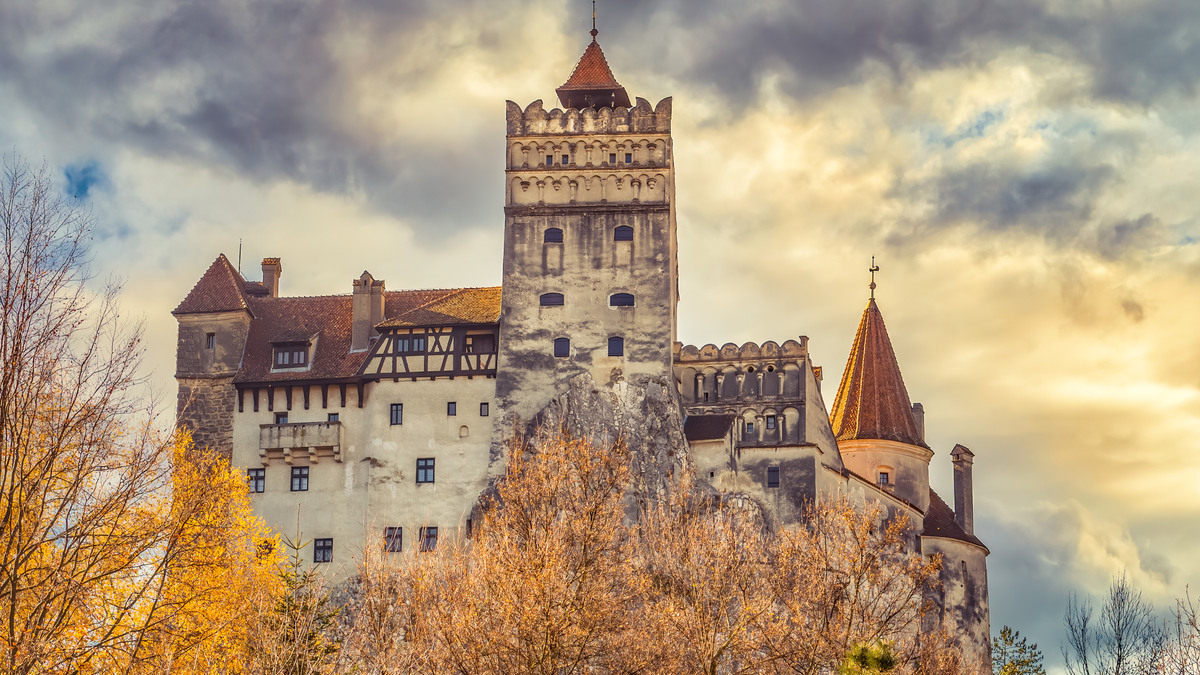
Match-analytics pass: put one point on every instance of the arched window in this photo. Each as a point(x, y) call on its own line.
point(620, 300)
point(562, 347)
point(553, 235)
point(616, 346)
point(551, 299)
point(623, 233)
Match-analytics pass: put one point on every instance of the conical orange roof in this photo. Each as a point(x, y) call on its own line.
point(872, 402)
point(592, 83)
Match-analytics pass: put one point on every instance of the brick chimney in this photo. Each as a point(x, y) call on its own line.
point(272, 268)
point(964, 507)
point(919, 416)
point(368, 311)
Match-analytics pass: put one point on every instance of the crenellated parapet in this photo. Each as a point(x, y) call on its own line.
point(749, 352)
point(537, 121)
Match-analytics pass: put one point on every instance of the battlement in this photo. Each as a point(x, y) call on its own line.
point(641, 118)
point(750, 351)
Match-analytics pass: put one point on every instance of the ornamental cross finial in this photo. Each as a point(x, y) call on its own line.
point(594, 31)
point(873, 269)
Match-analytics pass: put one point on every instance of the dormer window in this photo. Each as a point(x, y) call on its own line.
point(410, 344)
point(293, 355)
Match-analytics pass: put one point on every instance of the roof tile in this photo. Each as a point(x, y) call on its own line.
point(939, 522)
point(872, 402)
point(219, 290)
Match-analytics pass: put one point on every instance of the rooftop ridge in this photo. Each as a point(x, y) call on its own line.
point(399, 290)
point(219, 289)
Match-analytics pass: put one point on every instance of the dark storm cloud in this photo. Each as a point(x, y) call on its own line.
point(1137, 51)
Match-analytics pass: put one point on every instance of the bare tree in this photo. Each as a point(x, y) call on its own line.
point(1124, 639)
point(1182, 655)
point(104, 565)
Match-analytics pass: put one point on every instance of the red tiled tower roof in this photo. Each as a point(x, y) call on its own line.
point(221, 289)
point(592, 83)
point(872, 402)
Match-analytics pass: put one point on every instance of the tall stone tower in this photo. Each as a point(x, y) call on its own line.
point(590, 253)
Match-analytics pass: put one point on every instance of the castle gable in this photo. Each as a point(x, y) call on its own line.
point(220, 289)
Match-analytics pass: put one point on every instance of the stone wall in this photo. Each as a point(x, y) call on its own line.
point(206, 407)
point(207, 398)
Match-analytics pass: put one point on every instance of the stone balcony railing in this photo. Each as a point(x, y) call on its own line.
point(300, 438)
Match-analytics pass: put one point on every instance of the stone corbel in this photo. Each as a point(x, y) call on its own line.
point(287, 456)
point(524, 186)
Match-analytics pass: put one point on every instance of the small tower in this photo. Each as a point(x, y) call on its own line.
point(590, 269)
point(877, 431)
point(214, 320)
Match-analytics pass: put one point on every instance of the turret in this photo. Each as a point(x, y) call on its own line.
point(879, 431)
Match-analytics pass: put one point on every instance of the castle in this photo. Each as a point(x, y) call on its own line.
point(379, 415)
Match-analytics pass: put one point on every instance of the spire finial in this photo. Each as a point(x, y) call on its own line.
point(594, 31)
point(873, 269)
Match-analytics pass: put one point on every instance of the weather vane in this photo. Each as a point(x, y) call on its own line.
point(594, 31)
point(873, 269)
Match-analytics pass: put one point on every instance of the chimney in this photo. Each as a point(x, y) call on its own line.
point(272, 268)
point(964, 508)
point(919, 418)
point(367, 310)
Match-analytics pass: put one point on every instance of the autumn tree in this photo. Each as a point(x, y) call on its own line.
point(122, 549)
point(1013, 655)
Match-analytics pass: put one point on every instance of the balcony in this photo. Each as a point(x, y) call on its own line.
point(300, 438)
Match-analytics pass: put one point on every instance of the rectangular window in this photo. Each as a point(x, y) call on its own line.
point(770, 421)
point(483, 409)
point(257, 478)
point(397, 414)
point(706, 397)
point(884, 479)
point(549, 160)
point(428, 538)
point(334, 417)
point(566, 159)
point(291, 356)
point(281, 418)
point(612, 158)
point(410, 344)
point(772, 476)
point(562, 347)
point(749, 427)
point(322, 550)
point(210, 341)
point(425, 470)
point(452, 409)
point(616, 346)
point(299, 479)
point(628, 158)
point(393, 539)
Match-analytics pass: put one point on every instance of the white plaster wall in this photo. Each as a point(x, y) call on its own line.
point(374, 486)
point(910, 464)
point(964, 607)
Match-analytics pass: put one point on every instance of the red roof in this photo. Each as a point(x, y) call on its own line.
point(220, 289)
point(592, 83)
point(939, 522)
point(872, 402)
point(328, 320)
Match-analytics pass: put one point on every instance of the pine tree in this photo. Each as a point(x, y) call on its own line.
point(1013, 655)
point(298, 636)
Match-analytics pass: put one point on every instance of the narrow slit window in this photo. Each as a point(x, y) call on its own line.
point(553, 236)
point(397, 414)
point(484, 409)
point(322, 550)
point(562, 347)
point(621, 300)
point(623, 233)
point(551, 299)
point(706, 397)
point(772, 476)
point(210, 341)
point(616, 346)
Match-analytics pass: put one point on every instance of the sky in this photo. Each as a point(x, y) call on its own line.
point(1023, 171)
